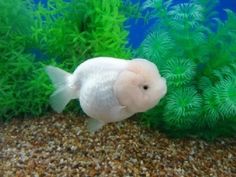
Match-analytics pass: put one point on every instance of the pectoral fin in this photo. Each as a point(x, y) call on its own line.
point(94, 125)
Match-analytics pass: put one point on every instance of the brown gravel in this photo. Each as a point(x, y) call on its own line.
point(61, 146)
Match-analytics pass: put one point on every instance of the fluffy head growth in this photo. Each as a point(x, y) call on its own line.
point(140, 87)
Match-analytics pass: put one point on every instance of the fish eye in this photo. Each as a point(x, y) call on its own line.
point(145, 87)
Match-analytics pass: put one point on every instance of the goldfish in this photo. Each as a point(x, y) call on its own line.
point(108, 89)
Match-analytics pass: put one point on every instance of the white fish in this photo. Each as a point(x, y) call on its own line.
point(109, 89)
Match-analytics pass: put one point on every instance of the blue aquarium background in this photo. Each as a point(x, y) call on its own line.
point(139, 29)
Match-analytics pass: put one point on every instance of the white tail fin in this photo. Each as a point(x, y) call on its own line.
point(64, 89)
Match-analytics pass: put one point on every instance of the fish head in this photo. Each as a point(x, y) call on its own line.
point(140, 86)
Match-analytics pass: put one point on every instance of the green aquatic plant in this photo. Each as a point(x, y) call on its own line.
point(59, 33)
point(198, 62)
point(24, 86)
point(81, 29)
point(16, 65)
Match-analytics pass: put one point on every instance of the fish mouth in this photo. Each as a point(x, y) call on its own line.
point(163, 86)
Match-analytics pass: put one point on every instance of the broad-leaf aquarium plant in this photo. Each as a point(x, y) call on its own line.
point(58, 33)
point(196, 53)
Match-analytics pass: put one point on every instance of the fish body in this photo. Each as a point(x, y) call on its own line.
point(98, 100)
point(104, 87)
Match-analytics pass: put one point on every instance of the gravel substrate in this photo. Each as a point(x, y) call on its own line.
point(61, 146)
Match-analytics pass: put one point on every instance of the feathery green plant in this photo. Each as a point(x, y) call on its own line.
point(66, 33)
point(81, 29)
point(199, 65)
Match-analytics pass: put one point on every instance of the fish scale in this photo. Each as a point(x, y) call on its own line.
point(97, 95)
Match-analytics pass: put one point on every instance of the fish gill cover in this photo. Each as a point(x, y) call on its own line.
point(199, 62)
point(58, 33)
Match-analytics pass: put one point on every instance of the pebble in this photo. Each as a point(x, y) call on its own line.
point(60, 145)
